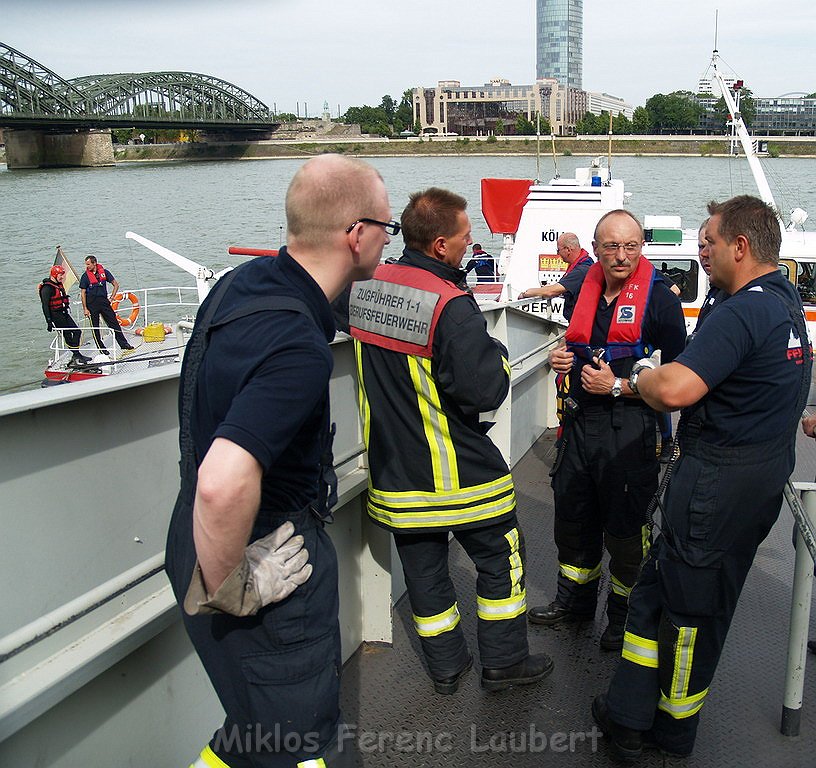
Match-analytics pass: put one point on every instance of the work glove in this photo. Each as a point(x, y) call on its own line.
point(272, 568)
point(50, 326)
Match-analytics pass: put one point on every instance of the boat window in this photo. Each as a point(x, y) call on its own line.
point(806, 280)
point(683, 273)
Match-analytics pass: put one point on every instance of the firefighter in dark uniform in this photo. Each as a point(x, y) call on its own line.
point(95, 302)
point(742, 382)
point(427, 368)
point(257, 479)
point(606, 469)
point(55, 304)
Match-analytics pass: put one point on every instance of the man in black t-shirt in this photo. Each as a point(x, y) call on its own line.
point(742, 383)
point(257, 476)
point(606, 469)
point(483, 264)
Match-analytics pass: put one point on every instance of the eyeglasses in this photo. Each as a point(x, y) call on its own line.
point(391, 227)
point(630, 249)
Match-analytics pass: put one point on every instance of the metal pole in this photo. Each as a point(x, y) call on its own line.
point(799, 621)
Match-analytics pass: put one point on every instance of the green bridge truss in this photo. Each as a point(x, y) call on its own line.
point(32, 94)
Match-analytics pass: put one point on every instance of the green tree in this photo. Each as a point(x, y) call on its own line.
point(621, 125)
point(498, 128)
point(286, 117)
point(389, 106)
point(591, 124)
point(641, 121)
point(811, 95)
point(370, 119)
point(720, 114)
point(404, 116)
point(524, 127)
point(673, 112)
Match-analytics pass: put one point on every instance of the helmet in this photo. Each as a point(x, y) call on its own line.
point(57, 271)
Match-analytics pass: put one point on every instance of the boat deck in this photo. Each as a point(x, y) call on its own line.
point(401, 722)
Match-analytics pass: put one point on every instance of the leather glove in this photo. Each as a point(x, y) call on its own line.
point(271, 569)
point(50, 326)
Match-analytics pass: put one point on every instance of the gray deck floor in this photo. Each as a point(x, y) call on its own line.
point(401, 722)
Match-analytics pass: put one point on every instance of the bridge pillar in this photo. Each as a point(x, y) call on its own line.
point(50, 149)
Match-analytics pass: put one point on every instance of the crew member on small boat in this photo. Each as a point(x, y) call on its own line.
point(257, 477)
point(483, 264)
point(742, 384)
point(427, 368)
point(93, 287)
point(606, 468)
point(578, 263)
point(55, 303)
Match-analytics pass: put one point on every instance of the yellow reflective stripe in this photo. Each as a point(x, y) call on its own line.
point(319, 763)
point(639, 650)
point(472, 493)
point(681, 707)
point(362, 398)
point(504, 608)
point(435, 424)
point(208, 759)
point(619, 588)
point(430, 626)
point(506, 366)
point(683, 658)
point(580, 575)
point(516, 565)
point(442, 516)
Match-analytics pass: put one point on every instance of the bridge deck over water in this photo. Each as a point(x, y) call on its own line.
point(386, 691)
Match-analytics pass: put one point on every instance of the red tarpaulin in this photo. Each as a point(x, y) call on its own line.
point(502, 201)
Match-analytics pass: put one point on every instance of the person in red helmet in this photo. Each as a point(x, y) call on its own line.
point(55, 303)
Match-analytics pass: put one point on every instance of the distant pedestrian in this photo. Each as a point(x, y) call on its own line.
point(483, 264)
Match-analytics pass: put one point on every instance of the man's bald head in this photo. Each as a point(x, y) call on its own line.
point(329, 193)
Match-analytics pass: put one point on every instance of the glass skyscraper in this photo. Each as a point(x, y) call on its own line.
point(559, 41)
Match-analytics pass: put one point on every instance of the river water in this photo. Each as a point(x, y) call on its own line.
point(198, 209)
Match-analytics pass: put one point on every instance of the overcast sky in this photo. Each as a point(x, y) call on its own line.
point(351, 52)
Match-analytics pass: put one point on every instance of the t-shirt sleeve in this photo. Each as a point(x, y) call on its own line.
point(575, 279)
point(84, 282)
point(718, 347)
point(276, 400)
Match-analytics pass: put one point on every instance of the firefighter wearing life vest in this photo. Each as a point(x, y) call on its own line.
point(95, 302)
point(606, 469)
point(55, 304)
point(427, 368)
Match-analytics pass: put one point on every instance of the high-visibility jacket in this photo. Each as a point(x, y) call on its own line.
point(426, 369)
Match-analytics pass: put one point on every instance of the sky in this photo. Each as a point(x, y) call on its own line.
point(296, 55)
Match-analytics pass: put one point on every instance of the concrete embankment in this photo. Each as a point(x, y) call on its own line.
point(621, 145)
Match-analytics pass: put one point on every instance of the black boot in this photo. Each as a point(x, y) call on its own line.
point(449, 685)
point(555, 613)
point(626, 743)
point(527, 671)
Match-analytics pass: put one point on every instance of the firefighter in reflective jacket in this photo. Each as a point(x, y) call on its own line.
point(606, 469)
point(427, 367)
point(55, 304)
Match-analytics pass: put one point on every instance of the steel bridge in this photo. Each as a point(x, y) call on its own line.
point(34, 97)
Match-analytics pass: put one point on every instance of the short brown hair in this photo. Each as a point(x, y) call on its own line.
point(430, 214)
point(327, 194)
point(755, 220)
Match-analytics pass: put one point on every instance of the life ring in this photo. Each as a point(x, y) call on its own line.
point(134, 308)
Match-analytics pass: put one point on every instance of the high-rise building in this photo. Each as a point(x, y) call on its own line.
point(559, 41)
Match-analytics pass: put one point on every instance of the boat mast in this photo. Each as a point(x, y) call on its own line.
point(744, 137)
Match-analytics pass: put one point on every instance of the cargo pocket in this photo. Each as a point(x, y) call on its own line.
point(293, 695)
point(690, 590)
point(702, 506)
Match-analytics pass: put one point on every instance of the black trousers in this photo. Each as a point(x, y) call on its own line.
point(70, 331)
point(277, 674)
point(720, 505)
point(104, 310)
point(604, 477)
point(497, 551)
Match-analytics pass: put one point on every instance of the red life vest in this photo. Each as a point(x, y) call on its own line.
point(399, 308)
point(582, 257)
point(59, 299)
point(625, 336)
point(97, 276)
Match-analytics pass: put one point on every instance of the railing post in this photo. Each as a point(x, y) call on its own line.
point(799, 621)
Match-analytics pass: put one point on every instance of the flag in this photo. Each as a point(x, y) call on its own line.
point(71, 275)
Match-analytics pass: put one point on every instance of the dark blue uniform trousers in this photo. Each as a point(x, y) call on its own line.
point(277, 673)
point(720, 505)
point(497, 551)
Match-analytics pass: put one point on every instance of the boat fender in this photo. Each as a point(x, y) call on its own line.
point(134, 308)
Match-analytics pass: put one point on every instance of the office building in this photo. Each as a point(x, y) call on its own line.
point(559, 41)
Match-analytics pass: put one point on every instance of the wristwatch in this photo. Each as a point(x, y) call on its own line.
point(617, 387)
point(635, 372)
